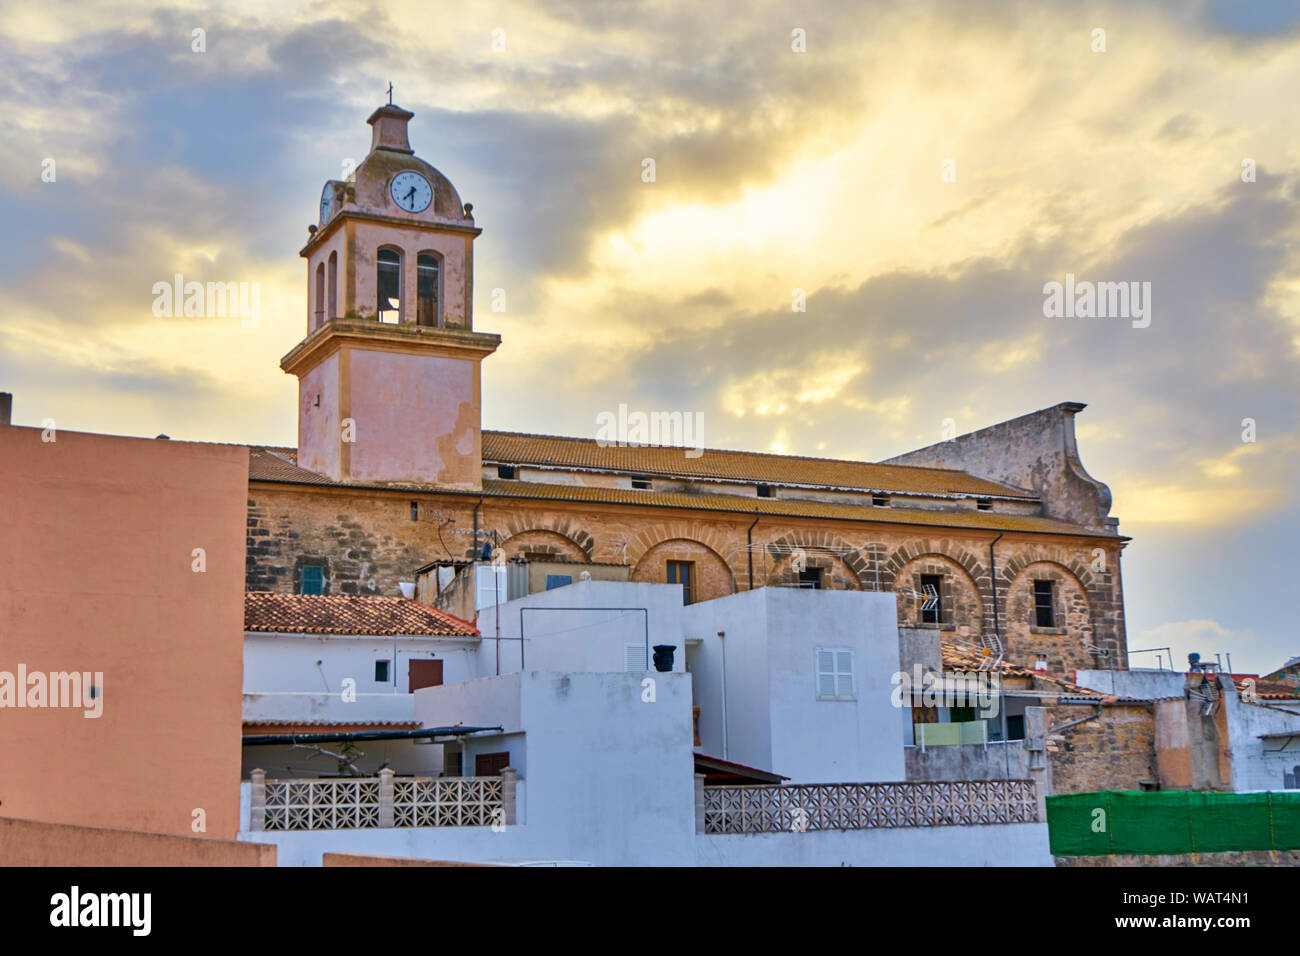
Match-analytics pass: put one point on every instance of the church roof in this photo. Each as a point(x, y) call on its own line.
point(550, 451)
point(348, 614)
point(277, 465)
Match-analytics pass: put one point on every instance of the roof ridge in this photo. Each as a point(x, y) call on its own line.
point(741, 451)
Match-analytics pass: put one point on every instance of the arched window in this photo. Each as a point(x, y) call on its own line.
point(426, 270)
point(389, 286)
point(332, 284)
point(319, 317)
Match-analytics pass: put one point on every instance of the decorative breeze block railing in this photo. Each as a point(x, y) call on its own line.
point(383, 801)
point(865, 806)
point(322, 804)
point(448, 802)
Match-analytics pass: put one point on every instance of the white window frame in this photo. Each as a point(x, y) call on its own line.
point(836, 672)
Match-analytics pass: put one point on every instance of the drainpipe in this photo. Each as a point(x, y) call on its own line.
point(1070, 723)
point(474, 547)
point(993, 583)
point(749, 549)
point(722, 649)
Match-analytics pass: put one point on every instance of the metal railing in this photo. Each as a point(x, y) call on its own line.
point(865, 806)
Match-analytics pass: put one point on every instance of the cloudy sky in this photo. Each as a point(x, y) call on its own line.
point(920, 171)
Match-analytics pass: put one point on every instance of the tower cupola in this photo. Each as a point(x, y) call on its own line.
point(388, 371)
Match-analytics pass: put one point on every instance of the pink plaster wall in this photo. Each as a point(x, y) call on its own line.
point(319, 426)
point(417, 418)
point(450, 246)
point(337, 243)
point(96, 574)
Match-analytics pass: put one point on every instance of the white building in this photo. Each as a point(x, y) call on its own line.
point(584, 751)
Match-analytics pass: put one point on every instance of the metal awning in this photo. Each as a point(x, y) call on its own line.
point(259, 740)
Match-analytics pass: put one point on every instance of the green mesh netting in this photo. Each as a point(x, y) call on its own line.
point(1171, 821)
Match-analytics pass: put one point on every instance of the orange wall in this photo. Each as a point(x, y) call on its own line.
point(27, 843)
point(96, 541)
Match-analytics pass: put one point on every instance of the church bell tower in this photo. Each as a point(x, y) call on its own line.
point(388, 374)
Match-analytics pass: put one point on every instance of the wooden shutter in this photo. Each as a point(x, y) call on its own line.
point(423, 674)
point(312, 579)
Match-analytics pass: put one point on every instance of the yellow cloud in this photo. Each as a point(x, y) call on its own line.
point(1181, 504)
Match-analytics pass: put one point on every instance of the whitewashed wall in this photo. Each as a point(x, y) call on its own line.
point(775, 720)
point(592, 639)
point(1023, 844)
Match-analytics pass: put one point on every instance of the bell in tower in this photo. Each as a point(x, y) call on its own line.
point(389, 372)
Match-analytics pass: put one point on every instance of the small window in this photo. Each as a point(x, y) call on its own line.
point(381, 672)
point(1044, 605)
point(332, 295)
point(834, 674)
point(984, 504)
point(491, 765)
point(1016, 727)
point(766, 491)
point(811, 578)
point(311, 579)
point(415, 511)
point(641, 482)
point(389, 286)
point(426, 281)
point(932, 598)
point(554, 581)
point(320, 295)
point(961, 715)
point(880, 501)
point(682, 572)
point(506, 471)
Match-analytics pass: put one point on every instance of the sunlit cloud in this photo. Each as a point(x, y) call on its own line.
point(915, 177)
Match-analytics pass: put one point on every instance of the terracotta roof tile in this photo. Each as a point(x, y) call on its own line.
point(1267, 689)
point(275, 466)
point(551, 451)
point(346, 614)
point(968, 659)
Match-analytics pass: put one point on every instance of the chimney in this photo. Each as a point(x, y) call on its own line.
point(6, 407)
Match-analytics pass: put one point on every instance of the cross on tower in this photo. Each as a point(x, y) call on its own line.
point(390, 92)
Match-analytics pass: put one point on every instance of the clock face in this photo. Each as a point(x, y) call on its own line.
point(411, 191)
point(326, 202)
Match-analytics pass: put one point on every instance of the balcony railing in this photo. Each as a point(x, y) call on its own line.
point(866, 806)
point(384, 801)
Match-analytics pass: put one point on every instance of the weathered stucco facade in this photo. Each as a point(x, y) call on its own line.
point(366, 542)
